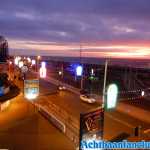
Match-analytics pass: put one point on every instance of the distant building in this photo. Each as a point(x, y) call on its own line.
point(3, 49)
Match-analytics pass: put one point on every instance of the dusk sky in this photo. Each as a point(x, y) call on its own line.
point(103, 28)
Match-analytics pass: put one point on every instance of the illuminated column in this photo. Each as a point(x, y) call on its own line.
point(43, 70)
point(79, 73)
point(112, 95)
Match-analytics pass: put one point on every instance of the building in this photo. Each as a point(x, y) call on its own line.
point(3, 49)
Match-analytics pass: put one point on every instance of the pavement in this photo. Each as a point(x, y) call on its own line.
point(22, 127)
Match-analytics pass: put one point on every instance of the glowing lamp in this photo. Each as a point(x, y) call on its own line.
point(60, 73)
point(43, 70)
point(33, 62)
point(29, 59)
point(43, 64)
point(142, 93)
point(92, 71)
point(79, 70)
point(17, 59)
point(38, 57)
point(112, 94)
point(10, 62)
point(20, 64)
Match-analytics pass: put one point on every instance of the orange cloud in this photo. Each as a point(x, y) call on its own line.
point(98, 49)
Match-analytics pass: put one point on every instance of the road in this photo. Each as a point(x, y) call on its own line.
point(71, 103)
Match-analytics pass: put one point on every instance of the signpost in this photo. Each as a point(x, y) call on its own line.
point(91, 126)
point(31, 89)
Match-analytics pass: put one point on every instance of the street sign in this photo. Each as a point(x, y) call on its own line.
point(111, 97)
point(31, 89)
point(91, 125)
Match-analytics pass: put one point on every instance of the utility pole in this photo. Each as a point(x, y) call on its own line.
point(104, 86)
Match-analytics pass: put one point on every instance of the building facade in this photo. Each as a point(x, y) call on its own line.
point(3, 49)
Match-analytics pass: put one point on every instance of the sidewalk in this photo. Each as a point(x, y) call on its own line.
point(135, 112)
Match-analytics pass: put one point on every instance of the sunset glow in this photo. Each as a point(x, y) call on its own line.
point(54, 28)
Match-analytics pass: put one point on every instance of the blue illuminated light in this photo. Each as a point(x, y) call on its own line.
point(79, 70)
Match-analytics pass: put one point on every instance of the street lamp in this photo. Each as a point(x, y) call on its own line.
point(29, 60)
point(38, 57)
point(142, 93)
point(10, 62)
point(92, 72)
point(16, 60)
point(20, 64)
point(60, 73)
point(33, 62)
point(37, 64)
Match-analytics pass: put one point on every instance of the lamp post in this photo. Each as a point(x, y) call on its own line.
point(61, 72)
point(81, 84)
point(37, 64)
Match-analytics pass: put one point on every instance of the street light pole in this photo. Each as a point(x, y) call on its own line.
point(104, 86)
point(62, 70)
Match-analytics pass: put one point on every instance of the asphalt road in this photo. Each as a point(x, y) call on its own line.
point(115, 122)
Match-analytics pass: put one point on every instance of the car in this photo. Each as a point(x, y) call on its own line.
point(61, 87)
point(87, 98)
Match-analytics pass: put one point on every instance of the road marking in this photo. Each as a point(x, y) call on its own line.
point(118, 120)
